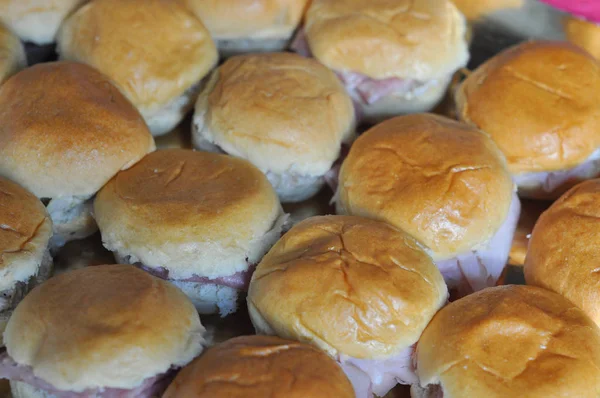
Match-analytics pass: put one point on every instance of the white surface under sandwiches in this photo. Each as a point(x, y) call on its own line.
point(286, 114)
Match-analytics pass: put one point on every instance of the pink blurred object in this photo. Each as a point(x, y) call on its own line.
point(586, 9)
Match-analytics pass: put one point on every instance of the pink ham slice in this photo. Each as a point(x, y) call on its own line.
point(379, 376)
point(331, 177)
point(240, 280)
point(539, 185)
point(150, 387)
point(300, 44)
point(368, 90)
point(475, 270)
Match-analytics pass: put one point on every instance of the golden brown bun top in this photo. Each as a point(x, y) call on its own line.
point(511, 341)
point(281, 111)
point(22, 218)
point(261, 366)
point(540, 102)
point(67, 130)
point(423, 39)
point(36, 21)
point(349, 285)
point(564, 245)
point(475, 9)
point(12, 54)
point(583, 33)
point(230, 19)
point(181, 197)
point(443, 182)
point(153, 49)
point(103, 326)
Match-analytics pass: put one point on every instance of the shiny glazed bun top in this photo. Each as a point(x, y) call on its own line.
point(420, 40)
point(261, 366)
point(511, 341)
point(348, 285)
point(67, 130)
point(103, 326)
point(443, 182)
point(564, 242)
point(540, 103)
point(154, 50)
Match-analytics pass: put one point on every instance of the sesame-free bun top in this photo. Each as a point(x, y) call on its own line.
point(233, 19)
point(189, 212)
point(348, 285)
point(564, 242)
point(540, 103)
point(103, 326)
point(281, 111)
point(36, 21)
point(67, 130)
point(12, 54)
point(26, 229)
point(511, 341)
point(261, 366)
point(154, 50)
point(423, 39)
point(583, 33)
point(442, 181)
point(476, 9)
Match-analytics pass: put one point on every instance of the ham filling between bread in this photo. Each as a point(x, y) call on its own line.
point(239, 280)
point(362, 88)
point(379, 376)
point(547, 182)
point(475, 270)
point(149, 388)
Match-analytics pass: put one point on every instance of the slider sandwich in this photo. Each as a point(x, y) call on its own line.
point(12, 54)
point(564, 248)
point(540, 103)
point(261, 366)
point(104, 332)
point(25, 231)
point(65, 131)
point(509, 341)
point(360, 290)
point(197, 219)
point(583, 33)
point(394, 57)
point(155, 51)
point(242, 26)
point(36, 23)
point(286, 114)
point(444, 183)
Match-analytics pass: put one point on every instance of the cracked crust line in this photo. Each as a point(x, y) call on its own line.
point(177, 172)
point(538, 84)
point(22, 246)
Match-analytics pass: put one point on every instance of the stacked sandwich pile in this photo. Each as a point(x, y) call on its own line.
point(294, 198)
